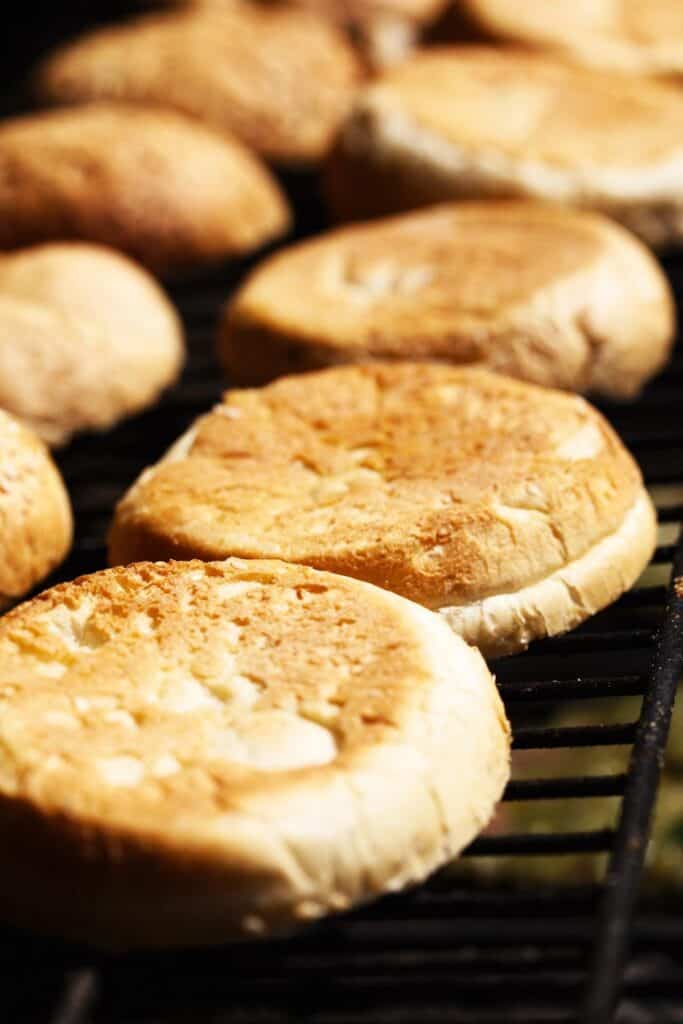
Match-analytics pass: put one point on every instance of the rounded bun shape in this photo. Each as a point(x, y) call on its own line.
point(473, 122)
point(453, 487)
point(277, 77)
point(625, 35)
point(195, 752)
point(555, 296)
point(35, 515)
point(86, 337)
point(152, 183)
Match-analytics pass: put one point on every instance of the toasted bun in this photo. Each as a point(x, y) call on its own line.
point(383, 31)
point(553, 296)
point(193, 752)
point(505, 623)
point(345, 12)
point(35, 515)
point(448, 486)
point(279, 78)
point(86, 337)
point(641, 36)
point(152, 183)
point(471, 122)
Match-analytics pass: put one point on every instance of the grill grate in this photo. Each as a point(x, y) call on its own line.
point(448, 950)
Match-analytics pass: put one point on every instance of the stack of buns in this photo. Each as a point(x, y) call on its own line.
point(272, 707)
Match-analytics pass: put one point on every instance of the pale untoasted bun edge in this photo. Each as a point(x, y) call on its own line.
point(331, 839)
point(505, 623)
point(405, 165)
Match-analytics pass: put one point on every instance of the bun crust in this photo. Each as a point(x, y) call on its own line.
point(477, 123)
point(86, 337)
point(149, 182)
point(447, 486)
point(35, 515)
point(210, 751)
point(383, 31)
point(625, 35)
point(278, 78)
point(505, 623)
point(554, 296)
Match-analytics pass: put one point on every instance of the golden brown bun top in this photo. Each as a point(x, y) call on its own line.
point(360, 12)
point(279, 78)
point(548, 294)
point(538, 108)
point(35, 514)
point(477, 258)
point(629, 35)
point(383, 32)
point(151, 182)
point(444, 485)
point(86, 336)
point(350, 12)
point(161, 697)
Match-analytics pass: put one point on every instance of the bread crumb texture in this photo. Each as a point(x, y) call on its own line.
point(150, 182)
point(555, 296)
point(277, 77)
point(446, 485)
point(35, 514)
point(478, 122)
point(204, 747)
point(627, 35)
point(86, 337)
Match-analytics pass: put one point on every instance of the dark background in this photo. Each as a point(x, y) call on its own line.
point(29, 30)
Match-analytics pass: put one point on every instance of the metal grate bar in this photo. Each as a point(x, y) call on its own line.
point(78, 999)
point(670, 514)
point(584, 639)
point(627, 859)
point(642, 596)
point(537, 843)
point(571, 689)
point(554, 789)
point(574, 736)
point(436, 1015)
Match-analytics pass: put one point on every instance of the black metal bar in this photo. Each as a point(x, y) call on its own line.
point(568, 788)
point(670, 514)
point(571, 689)
point(642, 597)
point(595, 641)
point(78, 998)
point(535, 843)
point(574, 736)
point(626, 864)
point(434, 1015)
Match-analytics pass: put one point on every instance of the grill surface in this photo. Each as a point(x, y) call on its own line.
point(448, 951)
